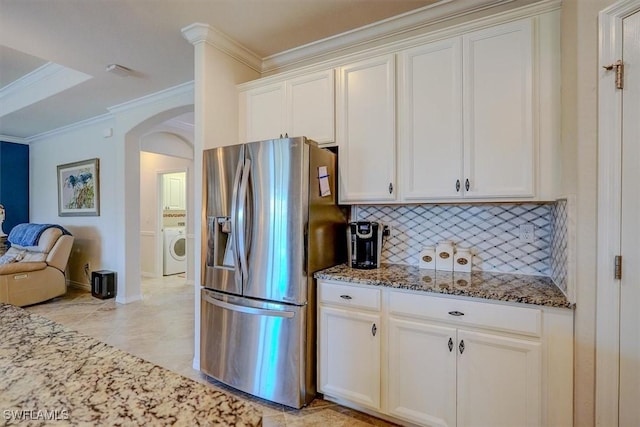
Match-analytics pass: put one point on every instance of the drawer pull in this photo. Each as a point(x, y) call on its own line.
point(461, 347)
point(346, 297)
point(374, 329)
point(456, 313)
point(450, 345)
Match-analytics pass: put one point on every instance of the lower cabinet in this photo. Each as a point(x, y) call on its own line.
point(440, 361)
point(350, 355)
point(464, 378)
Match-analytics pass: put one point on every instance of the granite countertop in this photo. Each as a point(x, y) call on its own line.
point(50, 372)
point(519, 288)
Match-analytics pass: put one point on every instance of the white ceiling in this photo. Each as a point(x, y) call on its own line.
point(145, 35)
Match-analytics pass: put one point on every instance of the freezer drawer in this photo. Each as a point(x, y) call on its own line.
point(257, 347)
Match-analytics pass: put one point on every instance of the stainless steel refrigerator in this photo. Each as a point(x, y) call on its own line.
point(272, 220)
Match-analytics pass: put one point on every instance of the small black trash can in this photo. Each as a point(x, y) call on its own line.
point(103, 284)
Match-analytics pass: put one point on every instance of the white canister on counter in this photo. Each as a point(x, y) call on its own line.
point(444, 255)
point(427, 258)
point(462, 260)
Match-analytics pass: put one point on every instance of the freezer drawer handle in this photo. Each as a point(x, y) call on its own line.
point(346, 297)
point(249, 310)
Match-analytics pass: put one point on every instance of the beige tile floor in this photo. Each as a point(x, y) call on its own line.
point(159, 328)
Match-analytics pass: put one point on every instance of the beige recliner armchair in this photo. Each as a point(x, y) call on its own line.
point(35, 273)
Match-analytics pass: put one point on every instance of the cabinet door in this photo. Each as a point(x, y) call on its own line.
point(174, 191)
point(498, 132)
point(422, 372)
point(265, 112)
point(499, 381)
point(430, 108)
point(311, 106)
point(350, 355)
point(366, 130)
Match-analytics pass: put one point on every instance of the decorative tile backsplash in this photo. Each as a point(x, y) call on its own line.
point(559, 251)
point(492, 232)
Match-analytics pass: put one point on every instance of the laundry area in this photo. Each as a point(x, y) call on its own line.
point(166, 167)
point(174, 253)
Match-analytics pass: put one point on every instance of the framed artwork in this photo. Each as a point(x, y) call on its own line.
point(79, 188)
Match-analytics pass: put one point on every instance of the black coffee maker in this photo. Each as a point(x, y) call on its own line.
point(365, 244)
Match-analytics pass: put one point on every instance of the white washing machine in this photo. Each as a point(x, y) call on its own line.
point(175, 250)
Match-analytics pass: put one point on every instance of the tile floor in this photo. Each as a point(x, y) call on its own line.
point(159, 328)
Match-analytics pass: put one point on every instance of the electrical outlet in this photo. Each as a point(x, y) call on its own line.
point(527, 233)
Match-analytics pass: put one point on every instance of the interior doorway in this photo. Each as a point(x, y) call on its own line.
point(172, 191)
point(618, 293)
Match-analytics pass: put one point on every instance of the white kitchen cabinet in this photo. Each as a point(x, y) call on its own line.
point(350, 355)
point(499, 380)
point(466, 116)
point(349, 344)
point(430, 111)
point(466, 377)
point(299, 106)
point(366, 131)
point(174, 187)
point(422, 372)
point(445, 361)
point(498, 114)
point(265, 112)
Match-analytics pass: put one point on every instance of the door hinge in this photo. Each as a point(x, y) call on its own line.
point(618, 267)
point(619, 66)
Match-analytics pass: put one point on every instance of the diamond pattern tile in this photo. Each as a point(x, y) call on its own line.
point(491, 231)
point(559, 244)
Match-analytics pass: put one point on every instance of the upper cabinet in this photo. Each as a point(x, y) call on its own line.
point(301, 106)
point(498, 116)
point(466, 116)
point(468, 113)
point(366, 131)
point(430, 111)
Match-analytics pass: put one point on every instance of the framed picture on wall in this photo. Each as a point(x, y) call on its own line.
point(79, 188)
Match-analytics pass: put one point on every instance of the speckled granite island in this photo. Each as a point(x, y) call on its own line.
point(50, 374)
point(537, 290)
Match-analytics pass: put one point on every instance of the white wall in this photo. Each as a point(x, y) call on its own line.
point(112, 240)
point(151, 166)
point(580, 144)
point(95, 242)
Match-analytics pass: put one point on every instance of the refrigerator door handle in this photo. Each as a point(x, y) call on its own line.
point(249, 310)
point(242, 218)
point(234, 220)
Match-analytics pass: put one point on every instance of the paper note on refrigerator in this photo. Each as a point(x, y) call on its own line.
point(323, 177)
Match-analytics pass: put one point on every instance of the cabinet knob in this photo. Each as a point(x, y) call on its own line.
point(456, 313)
point(390, 188)
point(457, 185)
point(374, 329)
point(466, 184)
point(461, 346)
point(346, 297)
point(450, 345)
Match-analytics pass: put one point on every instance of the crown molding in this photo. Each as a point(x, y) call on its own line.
point(37, 85)
point(367, 35)
point(180, 89)
point(14, 139)
point(73, 126)
point(203, 33)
